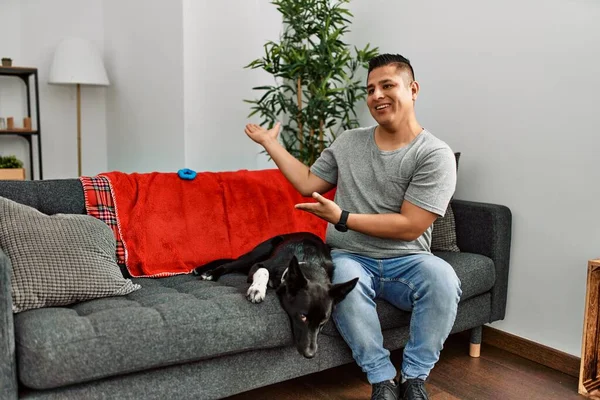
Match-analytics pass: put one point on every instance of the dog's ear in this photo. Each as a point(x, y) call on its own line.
point(339, 291)
point(295, 279)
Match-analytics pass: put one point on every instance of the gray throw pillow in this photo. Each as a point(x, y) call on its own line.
point(443, 235)
point(58, 259)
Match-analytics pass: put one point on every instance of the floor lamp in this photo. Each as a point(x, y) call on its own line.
point(77, 62)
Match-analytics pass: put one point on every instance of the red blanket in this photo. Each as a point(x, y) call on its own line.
point(170, 226)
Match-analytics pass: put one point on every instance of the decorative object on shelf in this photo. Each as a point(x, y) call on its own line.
point(317, 78)
point(9, 124)
point(6, 62)
point(11, 168)
point(77, 62)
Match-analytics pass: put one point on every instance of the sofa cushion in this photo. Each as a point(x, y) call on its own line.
point(476, 273)
point(59, 259)
point(169, 321)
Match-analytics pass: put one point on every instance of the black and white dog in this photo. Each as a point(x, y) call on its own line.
point(299, 267)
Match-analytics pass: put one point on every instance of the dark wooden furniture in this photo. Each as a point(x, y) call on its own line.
point(27, 75)
point(589, 374)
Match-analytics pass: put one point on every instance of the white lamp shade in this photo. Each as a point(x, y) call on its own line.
point(77, 61)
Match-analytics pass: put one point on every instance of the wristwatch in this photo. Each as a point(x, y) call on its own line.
point(341, 225)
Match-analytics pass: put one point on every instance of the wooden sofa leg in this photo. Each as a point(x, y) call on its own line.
point(475, 342)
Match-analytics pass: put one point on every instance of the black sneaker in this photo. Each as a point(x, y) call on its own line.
point(385, 390)
point(414, 389)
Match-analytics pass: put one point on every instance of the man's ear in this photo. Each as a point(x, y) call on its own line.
point(414, 89)
point(295, 279)
point(339, 291)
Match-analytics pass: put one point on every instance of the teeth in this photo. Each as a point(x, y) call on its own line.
point(381, 107)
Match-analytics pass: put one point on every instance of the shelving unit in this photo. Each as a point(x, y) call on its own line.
point(26, 75)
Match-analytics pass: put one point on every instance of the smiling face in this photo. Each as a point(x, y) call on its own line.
point(391, 93)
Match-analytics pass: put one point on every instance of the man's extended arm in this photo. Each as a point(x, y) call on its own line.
point(408, 225)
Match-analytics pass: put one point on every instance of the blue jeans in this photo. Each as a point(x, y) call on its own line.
point(421, 283)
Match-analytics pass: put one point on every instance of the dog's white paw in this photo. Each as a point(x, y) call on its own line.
point(258, 290)
point(256, 293)
point(207, 276)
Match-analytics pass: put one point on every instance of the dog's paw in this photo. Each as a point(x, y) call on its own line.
point(207, 276)
point(256, 293)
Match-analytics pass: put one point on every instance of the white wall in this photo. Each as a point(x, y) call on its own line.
point(167, 107)
point(144, 53)
point(29, 33)
point(220, 38)
point(12, 88)
point(514, 86)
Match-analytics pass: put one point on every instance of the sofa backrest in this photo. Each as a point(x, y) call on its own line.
point(49, 196)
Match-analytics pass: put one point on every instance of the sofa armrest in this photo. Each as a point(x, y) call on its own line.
point(486, 229)
point(8, 361)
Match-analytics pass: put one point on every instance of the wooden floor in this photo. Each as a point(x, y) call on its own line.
point(497, 374)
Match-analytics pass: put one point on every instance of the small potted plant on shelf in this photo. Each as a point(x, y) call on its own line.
point(6, 62)
point(11, 168)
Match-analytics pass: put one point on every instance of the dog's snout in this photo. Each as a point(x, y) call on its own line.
point(310, 353)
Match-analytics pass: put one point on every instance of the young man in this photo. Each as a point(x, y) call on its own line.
point(393, 180)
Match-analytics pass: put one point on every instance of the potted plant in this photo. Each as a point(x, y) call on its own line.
point(11, 168)
point(317, 77)
point(6, 62)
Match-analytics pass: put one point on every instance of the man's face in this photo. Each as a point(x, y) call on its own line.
point(390, 96)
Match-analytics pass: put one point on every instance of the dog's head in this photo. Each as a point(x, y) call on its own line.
point(309, 304)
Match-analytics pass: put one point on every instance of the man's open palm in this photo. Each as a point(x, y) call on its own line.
point(260, 134)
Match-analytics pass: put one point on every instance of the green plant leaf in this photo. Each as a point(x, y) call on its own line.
point(10, 162)
point(311, 48)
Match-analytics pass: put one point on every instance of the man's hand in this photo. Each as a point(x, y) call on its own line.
point(324, 208)
point(260, 135)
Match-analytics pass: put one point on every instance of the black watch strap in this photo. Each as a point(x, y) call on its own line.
point(341, 225)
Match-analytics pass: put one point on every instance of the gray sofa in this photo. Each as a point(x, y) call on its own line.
point(182, 338)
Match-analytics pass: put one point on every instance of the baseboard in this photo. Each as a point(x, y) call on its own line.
point(533, 351)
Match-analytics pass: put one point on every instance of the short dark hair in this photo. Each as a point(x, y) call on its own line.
point(399, 61)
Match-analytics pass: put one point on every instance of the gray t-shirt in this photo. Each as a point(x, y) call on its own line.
point(373, 181)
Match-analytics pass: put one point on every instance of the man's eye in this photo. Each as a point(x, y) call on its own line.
point(387, 86)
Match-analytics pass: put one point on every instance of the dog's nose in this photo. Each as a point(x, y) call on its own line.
point(309, 353)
